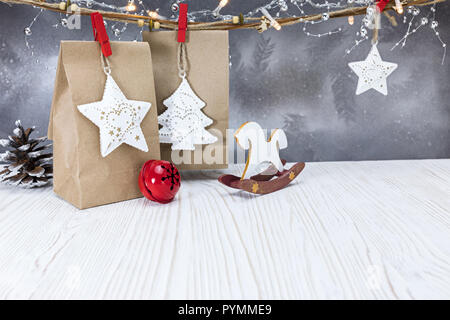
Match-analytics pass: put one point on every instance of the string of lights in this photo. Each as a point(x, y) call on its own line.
point(275, 14)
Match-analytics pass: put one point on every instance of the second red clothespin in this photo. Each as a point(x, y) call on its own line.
point(381, 4)
point(100, 34)
point(182, 22)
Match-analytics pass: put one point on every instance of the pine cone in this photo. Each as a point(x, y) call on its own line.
point(29, 164)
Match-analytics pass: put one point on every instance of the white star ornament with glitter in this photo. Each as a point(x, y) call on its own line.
point(372, 72)
point(118, 119)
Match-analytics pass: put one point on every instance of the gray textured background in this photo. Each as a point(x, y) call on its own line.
point(280, 79)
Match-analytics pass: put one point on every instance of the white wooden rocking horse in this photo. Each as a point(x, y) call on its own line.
point(250, 136)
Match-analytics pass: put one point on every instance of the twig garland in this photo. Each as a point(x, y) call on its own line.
point(248, 23)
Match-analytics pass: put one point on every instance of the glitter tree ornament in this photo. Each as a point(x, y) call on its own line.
point(183, 123)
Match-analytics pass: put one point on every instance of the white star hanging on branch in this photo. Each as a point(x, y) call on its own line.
point(372, 72)
point(118, 119)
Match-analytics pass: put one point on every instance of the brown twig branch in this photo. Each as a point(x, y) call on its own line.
point(249, 23)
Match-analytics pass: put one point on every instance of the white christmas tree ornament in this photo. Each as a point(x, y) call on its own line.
point(118, 118)
point(183, 123)
point(372, 72)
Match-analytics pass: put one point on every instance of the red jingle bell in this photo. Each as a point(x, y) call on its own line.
point(159, 181)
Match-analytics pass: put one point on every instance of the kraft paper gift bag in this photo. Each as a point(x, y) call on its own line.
point(82, 176)
point(208, 75)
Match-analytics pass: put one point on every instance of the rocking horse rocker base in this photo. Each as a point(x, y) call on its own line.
point(264, 183)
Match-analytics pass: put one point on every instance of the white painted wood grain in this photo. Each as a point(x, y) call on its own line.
point(344, 230)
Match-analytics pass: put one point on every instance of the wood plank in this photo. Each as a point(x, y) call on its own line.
point(350, 230)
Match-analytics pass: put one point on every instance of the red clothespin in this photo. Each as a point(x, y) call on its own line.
point(100, 34)
point(382, 4)
point(182, 22)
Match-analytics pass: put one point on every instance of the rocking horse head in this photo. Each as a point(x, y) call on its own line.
point(250, 136)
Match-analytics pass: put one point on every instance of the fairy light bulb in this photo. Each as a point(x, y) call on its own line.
point(130, 6)
point(398, 6)
point(153, 14)
point(274, 23)
point(351, 20)
point(222, 4)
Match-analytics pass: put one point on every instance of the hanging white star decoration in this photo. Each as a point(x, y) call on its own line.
point(183, 122)
point(118, 119)
point(372, 72)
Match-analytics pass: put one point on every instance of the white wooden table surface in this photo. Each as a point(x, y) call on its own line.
point(343, 230)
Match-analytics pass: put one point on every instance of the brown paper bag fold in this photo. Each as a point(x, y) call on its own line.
point(208, 74)
point(81, 175)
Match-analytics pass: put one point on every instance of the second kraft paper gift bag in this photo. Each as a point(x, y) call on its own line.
point(192, 90)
